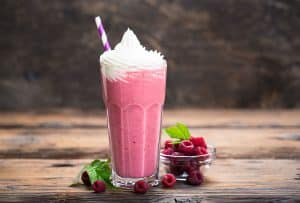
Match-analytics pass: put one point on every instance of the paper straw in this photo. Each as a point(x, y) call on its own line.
point(102, 33)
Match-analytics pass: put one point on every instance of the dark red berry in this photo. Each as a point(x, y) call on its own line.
point(85, 179)
point(141, 187)
point(175, 147)
point(167, 151)
point(186, 147)
point(176, 164)
point(197, 151)
point(99, 186)
point(168, 144)
point(177, 154)
point(198, 142)
point(201, 152)
point(195, 178)
point(191, 165)
point(204, 150)
point(168, 180)
point(176, 159)
point(176, 170)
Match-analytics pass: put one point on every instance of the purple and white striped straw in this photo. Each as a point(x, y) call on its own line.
point(102, 33)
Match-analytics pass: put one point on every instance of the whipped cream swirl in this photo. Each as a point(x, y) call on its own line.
point(129, 56)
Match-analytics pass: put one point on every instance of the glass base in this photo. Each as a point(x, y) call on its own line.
point(128, 183)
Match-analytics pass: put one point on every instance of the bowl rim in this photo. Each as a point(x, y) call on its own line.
point(211, 152)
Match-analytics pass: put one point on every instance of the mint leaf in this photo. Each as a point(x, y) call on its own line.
point(97, 170)
point(93, 174)
point(96, 163)
point(176, 142)
point(105, 171)
point(185, 131)
point(173, 132)
point(179, 131)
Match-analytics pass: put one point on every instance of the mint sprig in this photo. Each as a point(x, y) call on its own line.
point(99, 170)
point(179, 132)
point(96, 170)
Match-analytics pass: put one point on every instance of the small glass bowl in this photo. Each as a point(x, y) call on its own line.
point(180, 166)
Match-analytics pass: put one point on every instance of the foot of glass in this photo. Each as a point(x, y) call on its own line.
point(128, 183)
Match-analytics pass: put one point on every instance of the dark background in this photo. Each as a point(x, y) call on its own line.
point(224, 54)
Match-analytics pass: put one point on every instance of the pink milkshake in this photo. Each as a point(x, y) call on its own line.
point(134, 81)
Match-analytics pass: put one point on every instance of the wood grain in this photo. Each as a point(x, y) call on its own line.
point(258, 156)
point(242, 179)
point(93, 143)
point(193, 117)
point(74, 134)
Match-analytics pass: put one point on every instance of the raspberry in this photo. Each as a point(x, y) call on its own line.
point(176, 165)
point(190, 166)
point(141, 187)
point(176, 170)
point(167, 151)
point(204, 150)
point(186, 147)
point(176, 159)
point(195, 178)
point(99, 186)
point(175, 147)
point(168, 144)
point(197, 151)
point(85, 179)
point(201, 152)
point(198, 141)
point(177, 154)
point(168, 180)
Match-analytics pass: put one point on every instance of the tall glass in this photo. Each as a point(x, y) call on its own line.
point(134, 107)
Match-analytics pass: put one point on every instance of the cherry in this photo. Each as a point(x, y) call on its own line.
point(195, 178)
point(168, 180)
point(99, 186)
point(186, 147)
point(141, 187)
point(85, 179)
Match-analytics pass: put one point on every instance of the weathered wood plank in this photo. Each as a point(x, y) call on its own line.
point(93, 143)
point(192, 117)
point(238, 134)
point(150, 197)
point(227, 180)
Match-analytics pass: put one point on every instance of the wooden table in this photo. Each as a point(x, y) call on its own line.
point(258, 156)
